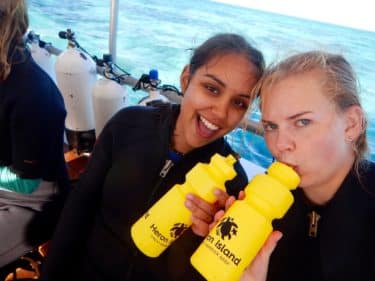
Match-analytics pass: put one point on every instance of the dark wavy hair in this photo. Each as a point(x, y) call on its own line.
point(226, 43)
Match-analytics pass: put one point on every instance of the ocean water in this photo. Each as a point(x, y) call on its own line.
point(158, 34)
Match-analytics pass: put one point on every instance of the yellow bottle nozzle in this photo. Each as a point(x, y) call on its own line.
point(230, 159)
point(224, 165)
point(285, 174)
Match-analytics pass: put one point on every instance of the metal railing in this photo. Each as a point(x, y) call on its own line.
point(106, 67)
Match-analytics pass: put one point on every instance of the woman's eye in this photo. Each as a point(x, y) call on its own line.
point(240, 103)
point(269, 126)
point(212, 89)
point(303, 122)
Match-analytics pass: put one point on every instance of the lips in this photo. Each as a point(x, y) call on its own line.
point(208, 124)
point(206, 129)
point(294, 167)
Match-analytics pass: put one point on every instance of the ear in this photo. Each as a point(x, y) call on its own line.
point(354, 121)
point(184, 78)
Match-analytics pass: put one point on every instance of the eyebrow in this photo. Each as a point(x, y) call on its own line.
point(298, 115)
point(213, 77)
point(295, 116)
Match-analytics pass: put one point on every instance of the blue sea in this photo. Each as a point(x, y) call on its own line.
point(158, 34)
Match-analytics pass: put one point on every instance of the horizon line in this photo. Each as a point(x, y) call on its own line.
point(262, 6)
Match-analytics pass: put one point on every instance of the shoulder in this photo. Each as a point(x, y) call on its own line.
point(140, 122)
point(24, 66)
point(27, 75)
point(367, 176)
point(138, 115)
point(368, 167)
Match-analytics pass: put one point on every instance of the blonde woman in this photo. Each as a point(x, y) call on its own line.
point(32, 115)
point(313, 121)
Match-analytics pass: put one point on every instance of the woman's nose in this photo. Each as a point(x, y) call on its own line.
point(284, 141)
point(220, 109)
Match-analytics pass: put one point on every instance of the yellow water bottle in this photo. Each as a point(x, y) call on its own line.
point(168, 218)
point(236, 239)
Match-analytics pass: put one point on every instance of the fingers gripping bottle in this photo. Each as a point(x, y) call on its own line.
point(236, 239)
point(168, 218)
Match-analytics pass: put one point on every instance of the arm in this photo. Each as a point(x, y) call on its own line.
point(257, 270)
point(79, 213)
point(36, 129)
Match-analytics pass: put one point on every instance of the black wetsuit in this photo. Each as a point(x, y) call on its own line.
point(344, 246)
point(122, 181)
point(32, 120)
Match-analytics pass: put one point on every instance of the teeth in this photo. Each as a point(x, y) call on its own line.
point(208, 124)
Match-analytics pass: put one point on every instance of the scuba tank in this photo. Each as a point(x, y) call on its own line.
point(108, 98)
point(76, 76)
point(153, 91)
point(40, 54)
point(44, 59)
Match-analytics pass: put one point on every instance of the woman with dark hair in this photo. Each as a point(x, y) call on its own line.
point(141, 153)
point(32, 116)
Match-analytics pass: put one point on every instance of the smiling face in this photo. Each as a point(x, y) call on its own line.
point(216, 98)
point(304, 129)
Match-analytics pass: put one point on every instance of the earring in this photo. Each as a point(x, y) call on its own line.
point(349, 139)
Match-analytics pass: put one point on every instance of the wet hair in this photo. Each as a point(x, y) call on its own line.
point(340, 85)
point(14, 22)
point(226, 43)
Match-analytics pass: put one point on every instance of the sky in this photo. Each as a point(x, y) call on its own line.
point(356, 14)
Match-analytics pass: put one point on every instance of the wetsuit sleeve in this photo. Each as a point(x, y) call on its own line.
point(79, 213)
point(36, 130)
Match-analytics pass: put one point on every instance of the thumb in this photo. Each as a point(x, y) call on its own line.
point(271, 242)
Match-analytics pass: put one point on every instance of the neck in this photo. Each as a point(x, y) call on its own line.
point(178, 143)
point(177, 147)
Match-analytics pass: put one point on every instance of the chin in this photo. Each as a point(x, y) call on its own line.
point(304, 184)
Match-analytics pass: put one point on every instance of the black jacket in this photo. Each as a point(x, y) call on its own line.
point(93, 240)
point(344, 248)
point(32, 120)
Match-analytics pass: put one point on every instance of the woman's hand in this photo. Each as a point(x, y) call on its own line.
point(257, 270)
point(203, 212)
point(220, 213)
